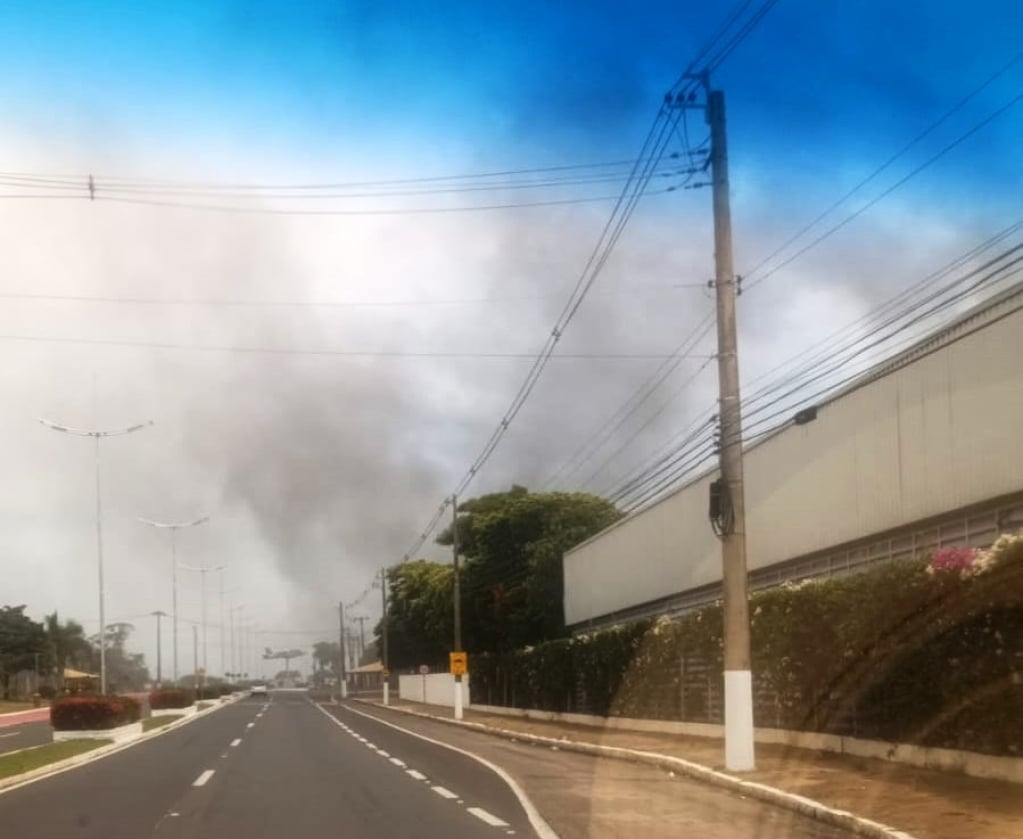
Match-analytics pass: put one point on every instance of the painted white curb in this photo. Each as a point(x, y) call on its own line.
point(120, 734)
point(170, 712)
point(762, 792)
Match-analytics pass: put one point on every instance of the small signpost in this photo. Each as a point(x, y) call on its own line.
point(424, 671)
point(459, 663)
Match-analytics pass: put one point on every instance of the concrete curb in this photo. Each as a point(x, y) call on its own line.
point(33, 775)
point(762, 792)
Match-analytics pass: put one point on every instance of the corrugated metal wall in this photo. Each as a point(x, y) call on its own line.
point(941, 433)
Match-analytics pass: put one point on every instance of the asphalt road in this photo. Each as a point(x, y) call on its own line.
point(589, 797)
point(270, 769)
point(16, 737)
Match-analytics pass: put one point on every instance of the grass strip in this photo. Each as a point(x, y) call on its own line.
point(26, 760)
point(156, 722)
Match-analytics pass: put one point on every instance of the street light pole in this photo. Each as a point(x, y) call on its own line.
point(174, 527)
point(96, 434)
point(159, 646)
point(203, 571)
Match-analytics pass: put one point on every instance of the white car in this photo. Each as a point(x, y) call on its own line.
point(259, 689)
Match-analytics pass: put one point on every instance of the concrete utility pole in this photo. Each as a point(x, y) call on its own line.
point(458, 602)
point(362, 634)
point(383, 635)
point(342, 681)
point(159, 646)
point(739, 750)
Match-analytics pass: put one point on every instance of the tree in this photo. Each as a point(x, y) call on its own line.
point(419, 609)
point(512, 581)
point(66, 646)
point(125, 671)
point(21, 639)
point(326, 655)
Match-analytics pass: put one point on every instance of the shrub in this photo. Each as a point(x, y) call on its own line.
point(171, 698)
point(80, 713)
point(225, 689)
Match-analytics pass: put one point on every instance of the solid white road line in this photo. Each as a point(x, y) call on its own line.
point(443, 792)
point(489, 818)
point(539, 824)
point(415, 773)
point(203, 778)
point(236, 741)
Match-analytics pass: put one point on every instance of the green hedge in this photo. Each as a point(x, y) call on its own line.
point(901, 651)
point(83, 713)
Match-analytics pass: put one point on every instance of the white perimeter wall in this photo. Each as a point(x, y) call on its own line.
point(440, 689)
point(943, 432)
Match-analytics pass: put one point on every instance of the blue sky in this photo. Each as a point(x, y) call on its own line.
point(818, 96)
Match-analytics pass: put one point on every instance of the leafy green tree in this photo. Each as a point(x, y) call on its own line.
point(511, 544)
point(421, 621)
point(21, 639)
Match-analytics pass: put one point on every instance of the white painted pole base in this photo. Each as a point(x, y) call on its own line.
point(344, 689)
point(458, 699)
point(739, 754)
point(387, 694)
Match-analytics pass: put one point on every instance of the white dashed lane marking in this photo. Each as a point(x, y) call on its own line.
point(398, 762)
point(484, 816)
point(236, 741)
point(415, 773)
point(250, 725)
point(203, 778)
point(443, 792)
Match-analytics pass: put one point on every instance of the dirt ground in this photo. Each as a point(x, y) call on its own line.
point(926, 803)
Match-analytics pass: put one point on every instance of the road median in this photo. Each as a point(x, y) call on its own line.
point(80, 752)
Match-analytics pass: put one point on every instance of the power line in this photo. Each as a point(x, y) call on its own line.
point(669, 468)
point(930, 129)
point(650, 288)
point(383, 354)
point(650, 153)
point(899, 183)
point(78, 179)
point(396, 211)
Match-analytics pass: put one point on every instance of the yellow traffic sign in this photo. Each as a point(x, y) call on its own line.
point(459, 663)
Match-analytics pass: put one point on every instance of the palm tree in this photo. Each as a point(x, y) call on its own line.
point(67, 645)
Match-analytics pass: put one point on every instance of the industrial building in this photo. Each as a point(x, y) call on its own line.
point(922, 451)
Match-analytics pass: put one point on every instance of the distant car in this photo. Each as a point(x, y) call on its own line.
point(259, 689)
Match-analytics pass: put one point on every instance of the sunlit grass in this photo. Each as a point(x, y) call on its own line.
point(25, 761)
point(159, 722)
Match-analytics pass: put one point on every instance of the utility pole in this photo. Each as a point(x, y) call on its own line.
point(159, 647)
point(383, 636)
point(342, 679)
point(362, 634)
point(739, 749)
point(457, 604)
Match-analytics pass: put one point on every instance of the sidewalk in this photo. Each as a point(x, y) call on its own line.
point(923, 802)
point(21, 717)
